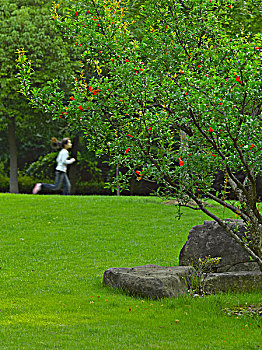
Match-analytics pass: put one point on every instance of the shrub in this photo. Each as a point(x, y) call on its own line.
point(195, 281)
point(43, 167)
point(4, 183)
point(26, 184)
point(86, 188)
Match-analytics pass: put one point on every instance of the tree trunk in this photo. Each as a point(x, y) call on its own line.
point(73, 170)
point(13, 184)
point(117, 182)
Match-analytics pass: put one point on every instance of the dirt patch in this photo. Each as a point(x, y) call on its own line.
point(190, 203)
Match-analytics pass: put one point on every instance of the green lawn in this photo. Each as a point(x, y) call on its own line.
point(53, 253)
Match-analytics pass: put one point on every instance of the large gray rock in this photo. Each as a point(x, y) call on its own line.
point(156, 282)
point(211, 239)
point(149, 281)
point(245, 281)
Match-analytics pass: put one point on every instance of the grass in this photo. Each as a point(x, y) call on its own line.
point(53, 253)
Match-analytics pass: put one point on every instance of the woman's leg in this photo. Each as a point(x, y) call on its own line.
point(67, 185)
point(59, 178)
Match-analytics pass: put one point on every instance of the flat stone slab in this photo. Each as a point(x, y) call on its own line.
point(241, 281)
point(156, 282)
point(150, 281)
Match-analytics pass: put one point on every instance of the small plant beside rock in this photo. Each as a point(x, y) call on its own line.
point(195, 280)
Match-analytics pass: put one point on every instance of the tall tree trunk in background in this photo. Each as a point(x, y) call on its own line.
point(13, 184)
point(117, 182)
point(73, 170)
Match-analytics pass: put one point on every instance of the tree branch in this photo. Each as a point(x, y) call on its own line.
point(229, 206)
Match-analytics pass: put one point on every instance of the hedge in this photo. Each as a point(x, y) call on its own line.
point(26, 184)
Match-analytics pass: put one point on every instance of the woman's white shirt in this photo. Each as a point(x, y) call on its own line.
point(62, 160)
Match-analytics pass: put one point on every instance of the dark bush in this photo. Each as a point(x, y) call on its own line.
point(4, 183)
point(85, 188)
point(26, 184)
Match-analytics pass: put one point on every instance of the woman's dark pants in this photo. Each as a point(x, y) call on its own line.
point(60, 178)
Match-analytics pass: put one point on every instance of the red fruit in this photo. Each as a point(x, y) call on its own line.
point(81, 108)
point(181, 162)
point(210, 129)
point(72, 98)
point(95, 91)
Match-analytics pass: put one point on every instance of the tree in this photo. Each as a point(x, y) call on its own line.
point(185, 73)
point(25, 23)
